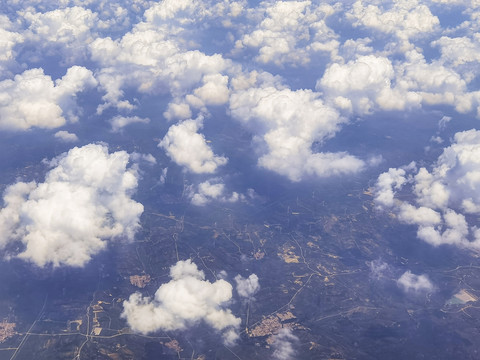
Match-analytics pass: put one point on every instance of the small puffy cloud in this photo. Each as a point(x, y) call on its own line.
point(430, 83)
point(61, 25)
point(32, 99)
point(283, 345)
point(286, 123)
point(455, 232)
point(184, 145)
point(460, 50)
point(443, 197)
point(409, 282)
point(360, 82)
point(177, 110)
point(247, 287)
point(405, 19)
point(431, 193)
point(8, 40)
point(84, 200)
point(410, 214)
point(187, 299)
point(150, 59)
point(211, 190)
point(214, 91)
point(71, 27)
point(65, 136)
point(453, 2)
point(379, 269)
point(169, 9)
point(352, 48)
point(207, 191)
point(371, 82)
point(290, 31)
point(119, 122)
point(455, 178)
point(178, 14)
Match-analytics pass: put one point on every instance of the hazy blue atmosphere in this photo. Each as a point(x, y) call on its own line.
point(239, 179)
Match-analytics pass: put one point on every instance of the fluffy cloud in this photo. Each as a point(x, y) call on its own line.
point(182, 11)
point(207, 191)
point(405, 19)
point(286, 123)
point(433, 82)
point(62, 25)
point(386, 185)
point(210, 190)
point(415, 283)
point(184, 145)
point(32, 99)
point(290, 31)
point(247, 287)
point(358, 83)
point(444, 197)
point(152, 59)
point(283, 345)
point(8, 40)
point(119, 122)
point(65, 136)
point(372, 82)
point(460, 50)
point(213, 91)
point(178, 110)
point(184, 301)
point(66, 31)
point(84, 200)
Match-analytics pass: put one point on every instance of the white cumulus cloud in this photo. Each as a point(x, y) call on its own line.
point(290, 31)
point(286, 123)
point(66, 31)
point(405, 19)
point(184, 301)
point(152, 59)
point(444, 197)
point(119, 122)
point(210, 190)
point(84, 200)
point(9, 39)
point(415, 283)
point(66, 136)
point(371, 82)
point(247, 287)
point(32, 99)
point(357, 84)
point(283, 345)
point(184, 145)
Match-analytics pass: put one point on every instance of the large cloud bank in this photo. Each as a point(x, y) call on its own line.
point(84, 200)
point(185, 300)
point(445, 199)
point(159, 50)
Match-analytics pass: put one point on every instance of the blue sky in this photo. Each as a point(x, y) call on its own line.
point(100, 95)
